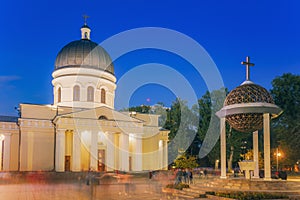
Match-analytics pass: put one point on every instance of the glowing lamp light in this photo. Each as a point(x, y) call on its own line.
point(279, 154)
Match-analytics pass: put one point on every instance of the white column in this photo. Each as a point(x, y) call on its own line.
point(138, 159)
point(165, 167)
point(110, 147)
point(223, 147)
point(6, 156)
point(267, 161)
point(94, 151)
point(124, 152)
point(76, 152)
point(60, 151)
point(160, 154)
point(30, 141)
point(255, 154)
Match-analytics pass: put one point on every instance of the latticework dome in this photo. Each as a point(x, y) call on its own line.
point(247, 93)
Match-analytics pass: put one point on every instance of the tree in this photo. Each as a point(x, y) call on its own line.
point(159, 109)
point(286, 94)
point(207, 110)
point(185, 161)
point(141, 109)
point(182, 125)
point(249, 156)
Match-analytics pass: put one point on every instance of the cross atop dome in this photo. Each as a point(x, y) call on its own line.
point(85, 17)
point(248, 65)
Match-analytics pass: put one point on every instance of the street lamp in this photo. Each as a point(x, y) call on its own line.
point(217, 164)
point(278, 154)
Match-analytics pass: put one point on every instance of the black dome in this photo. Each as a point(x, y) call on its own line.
point(84, 53)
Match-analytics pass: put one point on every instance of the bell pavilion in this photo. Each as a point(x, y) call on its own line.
point(248, 108)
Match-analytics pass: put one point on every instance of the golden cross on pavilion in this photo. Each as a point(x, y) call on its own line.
point(248, 65)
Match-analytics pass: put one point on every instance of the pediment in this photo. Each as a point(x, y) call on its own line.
point(101, 113)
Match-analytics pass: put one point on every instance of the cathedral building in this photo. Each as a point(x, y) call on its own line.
point(81, 131)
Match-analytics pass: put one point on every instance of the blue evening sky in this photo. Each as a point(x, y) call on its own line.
point(33, 32)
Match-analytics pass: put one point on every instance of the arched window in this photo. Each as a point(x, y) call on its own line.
point(102, 117)
point(90, 93)
point(76, 93)
point(103, 96)
point(59, 95)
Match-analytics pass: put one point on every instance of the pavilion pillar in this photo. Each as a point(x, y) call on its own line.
point(60, 151)
point(255, 154)
point(76, 152)
point(124, 152)
point(94, 151)
point(223, 147)
point(267, 161)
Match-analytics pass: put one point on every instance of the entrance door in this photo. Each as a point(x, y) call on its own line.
point(2, 154)
point(67, 163)
point(130, 163)
point(101, 160)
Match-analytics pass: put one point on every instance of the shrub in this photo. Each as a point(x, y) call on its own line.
point(249, 195)
point(179, 186)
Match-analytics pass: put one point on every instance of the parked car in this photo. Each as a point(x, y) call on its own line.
point(274, 174)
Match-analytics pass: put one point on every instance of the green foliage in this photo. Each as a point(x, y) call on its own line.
point(141, 109)
point(182, 125)
point(207, 110)
point(249, 156)
point(249, 195)
point(286, 128)
point(159, 109)
point(178, 186)
point(184, 162)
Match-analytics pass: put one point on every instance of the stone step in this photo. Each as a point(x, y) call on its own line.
point(218, 198)
point(222, 189)
point(181, 193)
point(184, 196)
point(252, 185)
point(197, 191)
point(198, 187)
